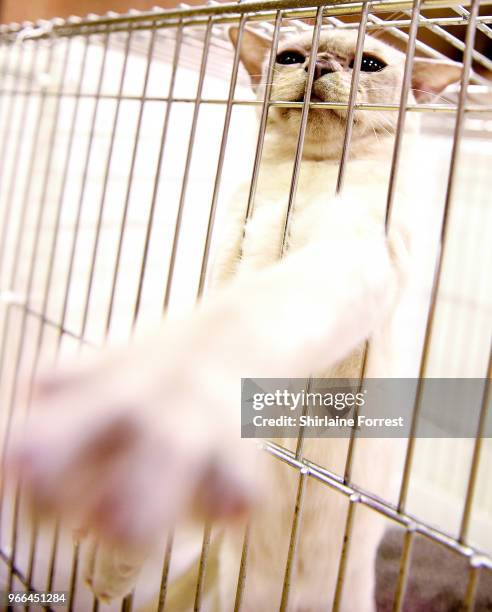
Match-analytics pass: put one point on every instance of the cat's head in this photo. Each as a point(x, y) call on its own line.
point(380, 82)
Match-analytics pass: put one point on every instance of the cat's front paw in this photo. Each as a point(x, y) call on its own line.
point(134, 441)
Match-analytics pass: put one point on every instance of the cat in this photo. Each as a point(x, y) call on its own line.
point(165, 409)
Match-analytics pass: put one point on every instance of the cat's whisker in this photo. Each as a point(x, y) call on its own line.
point(375, 133)
point(384, 119)
point(378, 121)
point(433, 95)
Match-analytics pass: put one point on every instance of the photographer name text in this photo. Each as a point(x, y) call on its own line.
point(325, 421)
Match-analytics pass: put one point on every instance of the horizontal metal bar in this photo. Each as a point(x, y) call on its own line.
point(480, 23)
point(55, 325)
point(420, 108)
point(390, 23)
point(377, 504)
point(289, 15)
point(405, 23)
point(260, 10)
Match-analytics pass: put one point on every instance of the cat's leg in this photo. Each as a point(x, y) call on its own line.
point(166, 409)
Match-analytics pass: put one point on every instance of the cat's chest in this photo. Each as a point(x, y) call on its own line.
point(311, 214)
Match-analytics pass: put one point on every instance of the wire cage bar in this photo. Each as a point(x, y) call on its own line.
point(76, 131)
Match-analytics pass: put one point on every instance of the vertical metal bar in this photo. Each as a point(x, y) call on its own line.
point(294, 539)
point(471, 587)
point(241, 579)
point(220, 161)
point(296, 521)
point(305, 413)
point(302, 128)
point(202, 567)
point(341, 178)
point(354, 85)
point(73, 576)
point(342, 564)
point(7, 55)
point(349, 459)
point(78, 216)
point(184, 184)
point(150, 52)
point(400, 126)
point(127, 603)
point(143, 266)
point(18, 147)
point(165, 570)
point(30, 280)
point(472, 477)
point(264, 117)
point(32, 557)
point(458, 134)
point(53, 557)
point(404, 569)
point(102, 204)
point(10, 108)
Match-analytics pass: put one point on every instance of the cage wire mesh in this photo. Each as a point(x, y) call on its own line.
point(122, 137)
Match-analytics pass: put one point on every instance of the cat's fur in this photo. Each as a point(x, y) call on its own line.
point(310, 313)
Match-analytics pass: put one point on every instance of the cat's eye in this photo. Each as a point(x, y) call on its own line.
point(290, 57)
point(370, 63)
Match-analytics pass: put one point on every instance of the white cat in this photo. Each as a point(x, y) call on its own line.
point(152, 432)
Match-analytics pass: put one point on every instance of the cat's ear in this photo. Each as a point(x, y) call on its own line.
point(431, 76)
point(253, 49)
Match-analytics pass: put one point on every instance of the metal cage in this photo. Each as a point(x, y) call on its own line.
point(107, 219)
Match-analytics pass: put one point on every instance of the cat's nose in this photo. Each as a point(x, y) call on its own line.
point(324, 67)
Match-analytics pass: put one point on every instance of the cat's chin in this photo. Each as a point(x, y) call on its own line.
point(325, 132)
point(321, 116)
